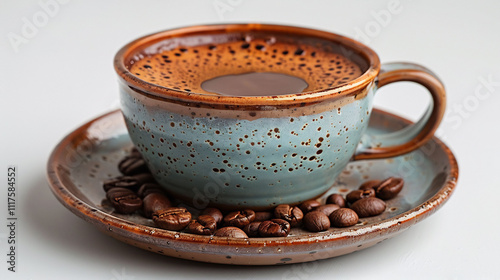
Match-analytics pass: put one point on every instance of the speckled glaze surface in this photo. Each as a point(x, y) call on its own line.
point(90, 154)
point(258, 152)
point(245, 162)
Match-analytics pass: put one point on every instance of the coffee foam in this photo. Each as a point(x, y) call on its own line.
point(185, 63)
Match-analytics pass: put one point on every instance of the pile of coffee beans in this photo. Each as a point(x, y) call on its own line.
point(137, 191)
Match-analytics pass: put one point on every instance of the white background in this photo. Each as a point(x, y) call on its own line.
point(62, 76)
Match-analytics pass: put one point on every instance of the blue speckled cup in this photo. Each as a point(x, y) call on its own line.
point(257, 152)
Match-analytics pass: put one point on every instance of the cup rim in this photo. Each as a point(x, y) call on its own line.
point(162, 93)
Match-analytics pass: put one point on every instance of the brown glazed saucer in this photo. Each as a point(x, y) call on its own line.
point(89, 155)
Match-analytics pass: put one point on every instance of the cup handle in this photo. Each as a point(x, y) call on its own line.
point(415, 135)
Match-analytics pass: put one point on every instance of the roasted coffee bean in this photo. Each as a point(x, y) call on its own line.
point(291, 214)
point(369, 185)
point(173, 218)
point(239, 218)
point(336, 199)
point(124, 200)
point(129, 182)
point(308, 205)
point(316, 221)
point(359, 194)
point(214, 212)
point(274, 228)
point(343, 217)
point(135, 153)
point(389, 188)
point(368, 207)
point(252, 229)
point(154, 202)
point(233, 232)
point(204, 225)
point(263, 216)
point(132, 165)
point(327, 209)
point(149, 188)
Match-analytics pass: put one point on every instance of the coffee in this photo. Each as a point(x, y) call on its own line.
point(255, 84)
point(309, 205)
point(336, 199)
point(204, 225)
point(172, 218)
point(356, 195)
point(327, 209)
point(232, 232)
point(252, 229)
point(316, 221)
point(274, 228)
point(368, 207)
point(124, 200)
point(245, 64)
point(343, 217)
point(291, 214)
point(239, 218)
point(389, 188)
point(154, 202)
point(129, 182)
point(214, 213)
point(132, 164)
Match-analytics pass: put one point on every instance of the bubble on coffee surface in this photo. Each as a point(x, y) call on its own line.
point(184, 64)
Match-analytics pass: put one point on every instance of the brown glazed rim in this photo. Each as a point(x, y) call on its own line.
point(137, 231)
point(165, 93)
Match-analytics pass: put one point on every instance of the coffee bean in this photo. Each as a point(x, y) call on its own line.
point(154, 202)
point(149, 188)
point(124, 200)
point(173, 218)
point(327, 209)
point(389, 188)
point(316, 221)
point(252, 229)
point(263, 216)
point(291, 214)
point(308, 205)
point(336, 199)
point(204, 225)
point(274, 228)
point(239, 218)
point(343, 217)
point(132, 165)
point(233, 232)
point(129, 182)
point(359, 194)
point(368, 207)
point(369, 185)
point(135, 153)
point(214, 212)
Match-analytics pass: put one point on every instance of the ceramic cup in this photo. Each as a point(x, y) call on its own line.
point(257, 152)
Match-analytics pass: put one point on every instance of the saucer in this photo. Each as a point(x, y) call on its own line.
point(90, 154)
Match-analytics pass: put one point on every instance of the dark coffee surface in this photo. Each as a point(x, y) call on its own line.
point(255, 84)
point(185, 63)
